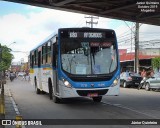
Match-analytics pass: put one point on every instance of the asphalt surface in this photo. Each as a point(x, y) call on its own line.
point(20, 96)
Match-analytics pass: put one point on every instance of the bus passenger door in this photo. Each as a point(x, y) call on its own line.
point(55, 74)
point(39, 70)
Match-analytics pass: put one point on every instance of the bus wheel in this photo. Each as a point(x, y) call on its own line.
point(56, 99)
point(51, 93)
point(97, 99)
point(50, 90)
point(36, 88)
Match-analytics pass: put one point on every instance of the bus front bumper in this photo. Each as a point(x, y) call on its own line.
point(67, 92)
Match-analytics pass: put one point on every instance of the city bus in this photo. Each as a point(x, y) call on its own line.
point(76, 62)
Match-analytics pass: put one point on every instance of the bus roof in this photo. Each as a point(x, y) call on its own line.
point(54, 34)
point(87, 28)
point(44, 41)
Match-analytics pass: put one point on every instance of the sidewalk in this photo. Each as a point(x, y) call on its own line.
point(10, 111)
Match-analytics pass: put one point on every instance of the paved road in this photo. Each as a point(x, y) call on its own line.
point(146, 102)
point(131, 104)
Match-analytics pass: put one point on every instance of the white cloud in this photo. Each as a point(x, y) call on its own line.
point(30, 29)
point(146, 33)
point(124, 37)
point(149, 32)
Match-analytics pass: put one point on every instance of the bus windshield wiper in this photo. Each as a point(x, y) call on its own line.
point(110, 65)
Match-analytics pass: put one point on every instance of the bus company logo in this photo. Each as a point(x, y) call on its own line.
point(6, 122)
point(92, 85)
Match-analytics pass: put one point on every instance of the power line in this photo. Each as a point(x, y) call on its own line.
point(79, 23)
point(125, 32)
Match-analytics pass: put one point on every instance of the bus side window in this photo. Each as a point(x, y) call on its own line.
point(35, 57)
point(43, 54)
point(54, 57)
point(39, 58)
point(48, 52)
point(31, 61)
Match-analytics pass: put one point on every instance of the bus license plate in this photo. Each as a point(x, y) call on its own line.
point(92, 94)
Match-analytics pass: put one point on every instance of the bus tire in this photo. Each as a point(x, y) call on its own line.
point(36, 88)
point(97, 99)
point(50, 89)
point(51, 93)
point(56, 99)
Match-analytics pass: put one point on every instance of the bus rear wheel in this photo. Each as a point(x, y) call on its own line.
point(56, 99)
point(38, 91)
point(50, 90)
point(97, 99)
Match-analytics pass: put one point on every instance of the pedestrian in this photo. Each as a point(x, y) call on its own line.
point(144, 77)
point(143, 73)
point(27, 76)
point(151, 73)
point(24, 76)
point(12, 76)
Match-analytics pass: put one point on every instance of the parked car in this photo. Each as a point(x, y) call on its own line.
point(21, 74)
point(128, 79)
point(153, 82)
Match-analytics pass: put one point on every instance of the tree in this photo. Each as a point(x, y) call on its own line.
point(156, 63)
point(5, 57)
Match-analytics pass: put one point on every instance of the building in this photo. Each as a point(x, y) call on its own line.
point(20, 68)
point(151, 51)
point(127, 59)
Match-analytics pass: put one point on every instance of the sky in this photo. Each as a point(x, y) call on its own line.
point(23, 27)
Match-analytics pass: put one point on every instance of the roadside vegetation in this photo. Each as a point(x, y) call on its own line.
point(5, 58)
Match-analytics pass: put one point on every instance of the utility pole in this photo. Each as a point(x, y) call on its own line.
point(136, 62)
point(91, 21)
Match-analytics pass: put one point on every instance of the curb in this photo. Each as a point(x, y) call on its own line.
point(11, 109)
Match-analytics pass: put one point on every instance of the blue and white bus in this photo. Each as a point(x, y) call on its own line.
point(77, 62)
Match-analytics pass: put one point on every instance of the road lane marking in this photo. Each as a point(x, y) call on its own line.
point(124, 107)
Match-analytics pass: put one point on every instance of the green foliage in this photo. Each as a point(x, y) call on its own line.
point(6, 58)
point(156, 63)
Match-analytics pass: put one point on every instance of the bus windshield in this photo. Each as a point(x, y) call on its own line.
point(88, 56)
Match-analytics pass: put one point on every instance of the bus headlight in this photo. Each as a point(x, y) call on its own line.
point(66, 83)
point(115, 82)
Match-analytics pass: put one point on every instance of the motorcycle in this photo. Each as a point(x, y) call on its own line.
point(142, 83)
point(11, 78)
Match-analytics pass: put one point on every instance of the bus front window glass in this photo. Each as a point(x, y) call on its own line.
point(88, 57)
point(71, 57)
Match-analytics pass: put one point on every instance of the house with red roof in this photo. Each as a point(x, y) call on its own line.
point(127, 60)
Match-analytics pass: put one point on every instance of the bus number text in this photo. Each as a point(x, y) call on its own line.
point(73, 35)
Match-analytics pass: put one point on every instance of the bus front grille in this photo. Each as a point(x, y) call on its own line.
point(86, 92)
